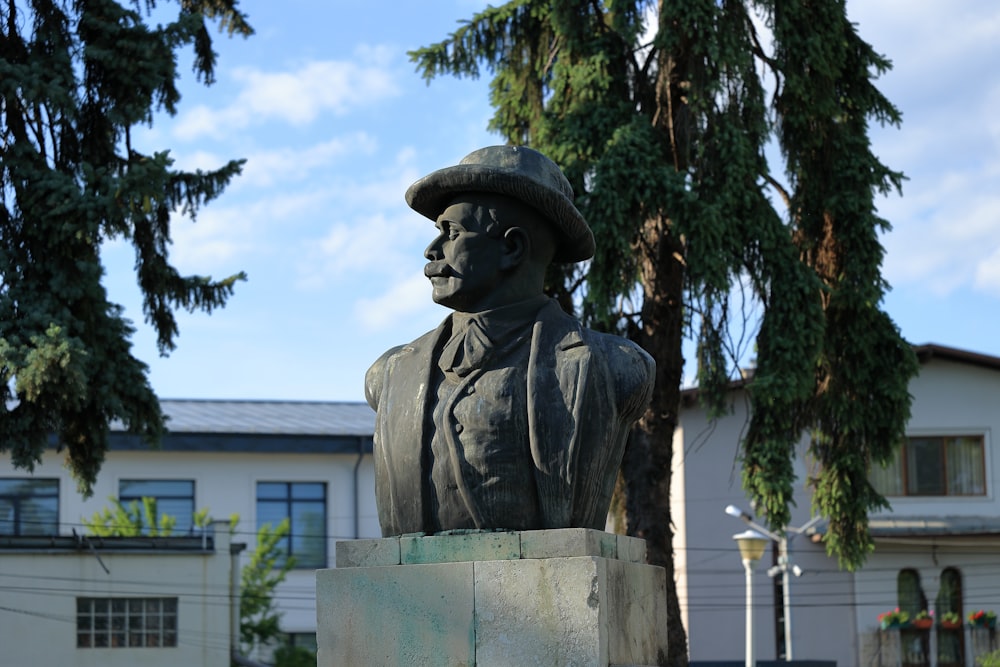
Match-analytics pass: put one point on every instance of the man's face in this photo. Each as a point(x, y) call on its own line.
point(466, 263)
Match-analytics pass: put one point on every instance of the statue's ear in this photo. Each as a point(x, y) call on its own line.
point(517, 247)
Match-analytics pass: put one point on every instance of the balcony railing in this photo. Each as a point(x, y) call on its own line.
point(932, 647)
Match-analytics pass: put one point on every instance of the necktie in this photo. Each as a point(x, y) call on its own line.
point(467, 350)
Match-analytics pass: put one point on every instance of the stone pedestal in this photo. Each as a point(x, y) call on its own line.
point(549, 597)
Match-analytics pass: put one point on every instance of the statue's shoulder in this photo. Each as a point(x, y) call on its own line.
point(379, 371)
point(631, 369)
point(628, 367)
point(622, 354)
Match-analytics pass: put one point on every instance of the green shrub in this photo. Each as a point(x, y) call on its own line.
point(991, 659)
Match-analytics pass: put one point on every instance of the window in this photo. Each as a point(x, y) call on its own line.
point(934, 466)
point(914, 644)
point(126, 622)
point(29, 506)
point(304, 504)
point(174, 497)
point(301, 640)
point(951, 640)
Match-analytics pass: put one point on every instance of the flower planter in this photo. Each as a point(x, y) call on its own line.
point(894, 625)
point(923, 623)
point(983, 619)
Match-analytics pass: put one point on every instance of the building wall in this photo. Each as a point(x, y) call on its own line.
point(955, 399)
point(707, 478)
point(834, 613)
point(38, 605)
point(949, 399)
point(226, 484)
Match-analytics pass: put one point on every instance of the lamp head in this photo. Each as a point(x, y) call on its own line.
point(751, 544)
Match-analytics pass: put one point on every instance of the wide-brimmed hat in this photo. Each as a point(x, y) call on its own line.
point(514, 171)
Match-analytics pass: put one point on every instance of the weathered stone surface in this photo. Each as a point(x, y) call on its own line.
point(631, 549)
point(566, 542)
point(405, 616)
point(368, 553)
point(636, 604)
point(587, 611)
point(540, 612)
point(463, 547)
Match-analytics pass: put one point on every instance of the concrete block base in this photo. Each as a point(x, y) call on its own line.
point(523, 604)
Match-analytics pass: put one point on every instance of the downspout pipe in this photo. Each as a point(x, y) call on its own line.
point(235, 549)
point(357, 487)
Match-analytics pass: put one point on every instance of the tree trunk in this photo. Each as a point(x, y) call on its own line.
point(646, 467)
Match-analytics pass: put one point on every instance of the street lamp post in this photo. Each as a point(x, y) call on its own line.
point(751, 544)
point(784, 565)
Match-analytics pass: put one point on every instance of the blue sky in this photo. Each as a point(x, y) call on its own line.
point(335, 124)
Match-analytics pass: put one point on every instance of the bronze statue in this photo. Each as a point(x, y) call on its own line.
point(509, 415)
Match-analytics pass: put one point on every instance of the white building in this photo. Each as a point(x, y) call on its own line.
point(939, 547)
point(264, 461)
point(102, 602)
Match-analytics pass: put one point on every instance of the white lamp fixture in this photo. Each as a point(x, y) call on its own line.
point(751, 544)
point(784, 565)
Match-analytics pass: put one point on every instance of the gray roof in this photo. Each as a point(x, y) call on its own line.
point(265, 427)
point(926, 526)
point(269, 417)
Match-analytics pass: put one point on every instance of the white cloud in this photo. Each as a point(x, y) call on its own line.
point(296, 97)
point(945, 231)
point(946, 227)
point(401, 302)
point(371, 229)
point(988, 273)
point(228, 235)
point(267, 167)
point(217, 237)
point(361, 246)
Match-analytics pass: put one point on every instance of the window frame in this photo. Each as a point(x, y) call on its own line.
point(901, 462)
point(17, 501)
point(289, 501)
point(126, 622)
point(185, 528)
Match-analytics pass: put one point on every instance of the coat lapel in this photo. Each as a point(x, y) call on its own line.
point(407, 399)
point(558, 365)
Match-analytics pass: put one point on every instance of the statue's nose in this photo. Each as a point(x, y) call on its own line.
point(433, 251)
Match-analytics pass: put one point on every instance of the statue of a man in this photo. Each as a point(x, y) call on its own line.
point(509, 415)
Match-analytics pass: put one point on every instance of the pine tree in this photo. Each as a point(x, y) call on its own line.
point(659, 116)
point(75, 79)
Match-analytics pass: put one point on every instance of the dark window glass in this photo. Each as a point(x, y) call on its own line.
point(304, 505)
point(29, 506)
point(174, 497)
point(126, 622)
point(914, 644)
point(934, 466)
point(951, 639)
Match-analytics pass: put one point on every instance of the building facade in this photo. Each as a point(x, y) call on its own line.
point(260, 461)
point(106, 602)
point(937, 548)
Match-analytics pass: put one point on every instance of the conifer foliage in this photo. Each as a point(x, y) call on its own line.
point(662, 114)
point(76, 76)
